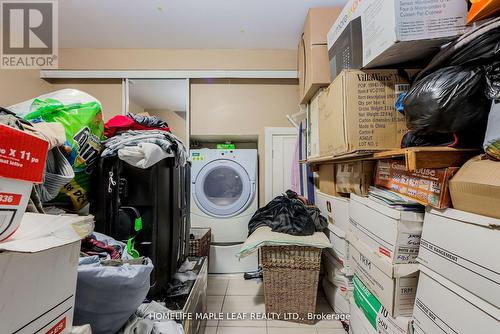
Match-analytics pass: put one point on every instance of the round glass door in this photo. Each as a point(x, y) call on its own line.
point(223, 188)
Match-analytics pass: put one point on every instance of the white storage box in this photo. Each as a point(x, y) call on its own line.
point(394, 285)
point(392, 233)
point(340, 246)
point(38, 270)
point(336, 208)
point(442, 307)
point(337, 296)
point(393, 31)
point(464, 248)
point(375, 313)
point(335, 271)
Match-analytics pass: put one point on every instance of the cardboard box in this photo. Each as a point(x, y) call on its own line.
point(340, 246)
point(427, 186)
point(22, 162)
point(367, 306)
point(345, 53)
point(354, 177)
point(399, 32)
point(465, 248)
point(357, 112)
point(476, 187)
point(394, 285)
point(336, 266)
point(335, 208)
point(442, 307)
point(312, 51)
point(38, 271)
point(391, 233)
point(326, 180)
point(337, 296)
point(313, 132)
point(483, 9)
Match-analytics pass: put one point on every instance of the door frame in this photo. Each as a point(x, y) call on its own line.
point(269, 133)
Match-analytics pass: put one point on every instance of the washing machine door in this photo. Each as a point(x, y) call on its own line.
point(223, 188)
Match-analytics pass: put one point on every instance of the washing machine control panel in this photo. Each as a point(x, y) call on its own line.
point(222, 154)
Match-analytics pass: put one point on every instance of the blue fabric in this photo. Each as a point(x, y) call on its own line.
point(106, 296)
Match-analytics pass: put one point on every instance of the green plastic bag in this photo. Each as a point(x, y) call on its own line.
point(84, 128)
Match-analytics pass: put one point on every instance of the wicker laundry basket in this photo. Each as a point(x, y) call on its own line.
point(200, 245)
point(291, 275)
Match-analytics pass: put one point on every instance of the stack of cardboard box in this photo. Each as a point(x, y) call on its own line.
point(337, 283)
point(459, 284)
point(376, 248)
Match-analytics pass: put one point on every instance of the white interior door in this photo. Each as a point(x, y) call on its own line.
point(280, 152)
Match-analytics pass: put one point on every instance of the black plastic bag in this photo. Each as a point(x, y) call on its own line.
point(480, 45)
point(450, 100)
point(287, 214)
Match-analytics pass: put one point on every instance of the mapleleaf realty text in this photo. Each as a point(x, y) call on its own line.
point(246, 316)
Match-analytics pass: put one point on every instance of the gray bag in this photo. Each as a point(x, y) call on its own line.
point(106, 296)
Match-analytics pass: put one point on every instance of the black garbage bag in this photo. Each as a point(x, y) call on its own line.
point(477, 46)
point(288, 214)
point(450, 100)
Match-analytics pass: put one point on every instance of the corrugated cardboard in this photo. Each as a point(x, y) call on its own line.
point(428, 186)
point(22, 162)
point(313, 114)
point(442, 307)
point(326, 179)
point(354, 177)
point(476, 187)
point(312, 51)
point(357, 112)
point(397, 32)
point(38, 271)
point(464, 248)
point(391, 233)
point(394, 285)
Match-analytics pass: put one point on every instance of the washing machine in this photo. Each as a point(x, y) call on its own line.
point(224, 197)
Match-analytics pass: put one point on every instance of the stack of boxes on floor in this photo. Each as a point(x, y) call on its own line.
point(400, 262)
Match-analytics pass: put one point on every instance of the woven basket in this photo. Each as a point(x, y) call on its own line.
point(200, 245)
point(291, 275)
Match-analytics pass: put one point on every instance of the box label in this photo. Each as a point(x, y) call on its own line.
point(7, 199)
point(427, 186)
point(58, 328)
point(22, 156)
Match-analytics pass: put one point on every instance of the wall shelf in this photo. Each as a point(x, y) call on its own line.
point(165, 74)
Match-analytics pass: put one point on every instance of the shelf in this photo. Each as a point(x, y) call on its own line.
point(165, 74)
point(429, 157)
point(415, 157)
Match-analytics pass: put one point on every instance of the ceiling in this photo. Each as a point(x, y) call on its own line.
point(225, 24)
point(159, 94)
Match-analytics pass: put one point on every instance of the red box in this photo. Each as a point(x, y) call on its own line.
point(427, 186)
point(22, 162)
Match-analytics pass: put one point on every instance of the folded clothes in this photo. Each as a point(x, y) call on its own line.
point(169, 143)
point(121, 123)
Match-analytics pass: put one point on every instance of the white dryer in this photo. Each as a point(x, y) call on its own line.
point(224, 198)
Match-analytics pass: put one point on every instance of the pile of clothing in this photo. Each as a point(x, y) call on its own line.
point(142, 141)
point(291, 214)
point(106, 270)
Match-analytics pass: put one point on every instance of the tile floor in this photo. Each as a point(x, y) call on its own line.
point(231, 293)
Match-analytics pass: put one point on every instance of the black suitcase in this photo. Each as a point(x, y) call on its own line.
point(156, 198)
